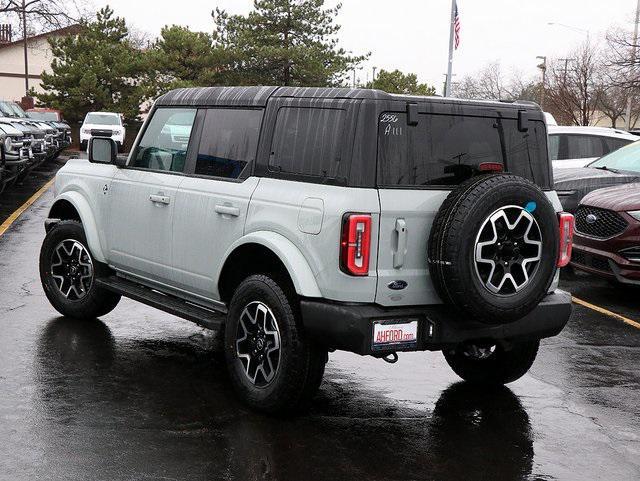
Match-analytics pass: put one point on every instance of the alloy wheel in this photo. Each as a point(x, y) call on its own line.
point(72, 269)
point(258, 343)
point(508, 250)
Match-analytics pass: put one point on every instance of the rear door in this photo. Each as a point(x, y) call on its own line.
point(212, 202)
point(419, 164)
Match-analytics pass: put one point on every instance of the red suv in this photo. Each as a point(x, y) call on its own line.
point(607, 235)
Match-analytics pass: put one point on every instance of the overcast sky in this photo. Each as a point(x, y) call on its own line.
point(413, 35)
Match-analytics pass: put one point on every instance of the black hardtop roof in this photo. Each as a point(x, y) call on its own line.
point(258, 97)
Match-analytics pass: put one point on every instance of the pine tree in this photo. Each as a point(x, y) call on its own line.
point(284, 42)
point(397, 82)
point(98, 69)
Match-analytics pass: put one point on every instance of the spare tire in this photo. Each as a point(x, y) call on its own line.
point(493, 248)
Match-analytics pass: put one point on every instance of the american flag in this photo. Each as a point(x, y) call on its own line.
point(456, 27)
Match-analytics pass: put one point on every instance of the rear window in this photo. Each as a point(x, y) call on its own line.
point(307, 141)
point(444, 150)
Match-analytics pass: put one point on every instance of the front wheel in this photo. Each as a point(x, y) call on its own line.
point(273, 367)
point(492, 364)
point(68, 272)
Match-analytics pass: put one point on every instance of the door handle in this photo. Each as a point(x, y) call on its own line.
point(160, 199)
point(401, 249)
point(227, 210)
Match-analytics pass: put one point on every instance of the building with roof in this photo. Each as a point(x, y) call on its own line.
point(12, 72)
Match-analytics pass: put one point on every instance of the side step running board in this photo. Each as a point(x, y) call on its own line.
point(202, 316)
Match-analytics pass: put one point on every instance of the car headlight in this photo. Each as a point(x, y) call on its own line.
point(116, 132)
point(8, 144)
point(635, 214)
point(86, 131)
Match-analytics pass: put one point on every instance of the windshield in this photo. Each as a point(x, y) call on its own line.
point(44, 115)
point(6, 109)
point(17, 110)
point(102, 119)
point(626, 158)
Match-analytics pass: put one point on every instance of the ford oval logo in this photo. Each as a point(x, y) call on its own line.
point(397, 285)
point(591, 219)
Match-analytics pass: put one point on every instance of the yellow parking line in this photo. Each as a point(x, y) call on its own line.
point(13, 217)
point(607, 312)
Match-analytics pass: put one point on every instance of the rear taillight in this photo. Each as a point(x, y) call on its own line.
point(355, 244)
point(567, 224)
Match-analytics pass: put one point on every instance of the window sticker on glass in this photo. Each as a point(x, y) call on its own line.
point(388, 118)
point(392, 130)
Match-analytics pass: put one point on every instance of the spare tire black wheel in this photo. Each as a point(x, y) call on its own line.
point(493, 248)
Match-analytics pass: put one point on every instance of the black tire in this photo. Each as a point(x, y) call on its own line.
point(502, 366)
point(95, 301)
point(460, 224)
point(83, 146)
point(301, 363)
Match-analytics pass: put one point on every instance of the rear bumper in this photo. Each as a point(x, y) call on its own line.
point(349, 327)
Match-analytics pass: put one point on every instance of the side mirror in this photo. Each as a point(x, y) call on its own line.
point(102, 150)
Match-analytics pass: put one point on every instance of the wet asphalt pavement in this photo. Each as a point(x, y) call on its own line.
point(138, 396)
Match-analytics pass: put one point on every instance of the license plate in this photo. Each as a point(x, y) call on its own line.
point(395, 334)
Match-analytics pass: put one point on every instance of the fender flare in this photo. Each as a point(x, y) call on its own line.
point(297, 266)
point(83, 208)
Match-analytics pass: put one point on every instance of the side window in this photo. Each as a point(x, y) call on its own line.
point(229, 142)
point(165, 141)
point(554, 147)
point(584, 146)
point(614, 144)
point(308, 141)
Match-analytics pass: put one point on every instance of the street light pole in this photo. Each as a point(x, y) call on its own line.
point(543, 67)
point(25, 44)
point(633, 61)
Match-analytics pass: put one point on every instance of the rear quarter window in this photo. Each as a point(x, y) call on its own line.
point(308, 142)
point(445, 150)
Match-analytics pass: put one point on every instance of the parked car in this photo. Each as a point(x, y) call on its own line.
point(40, 135)
point(619, 167)
point(55, 132)
point(578, 146)
point(16, 150)
point(297, 221)
point(607, 241)
point(102, 124)
point(54, 118)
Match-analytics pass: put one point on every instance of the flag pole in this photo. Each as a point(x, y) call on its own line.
point(447, 85)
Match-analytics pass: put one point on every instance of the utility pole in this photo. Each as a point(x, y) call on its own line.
point(25, 44)
point(543, 67)
point(633, 61)
point(373, 78)
point(447, 85)
point(566, 67)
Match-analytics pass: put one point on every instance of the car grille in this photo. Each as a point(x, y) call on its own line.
point(101, 133)
point(588, 260)
point(600, 223)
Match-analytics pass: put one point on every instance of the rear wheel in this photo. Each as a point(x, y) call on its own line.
point(68, 271)
point(490, 363)
point(273, 367)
